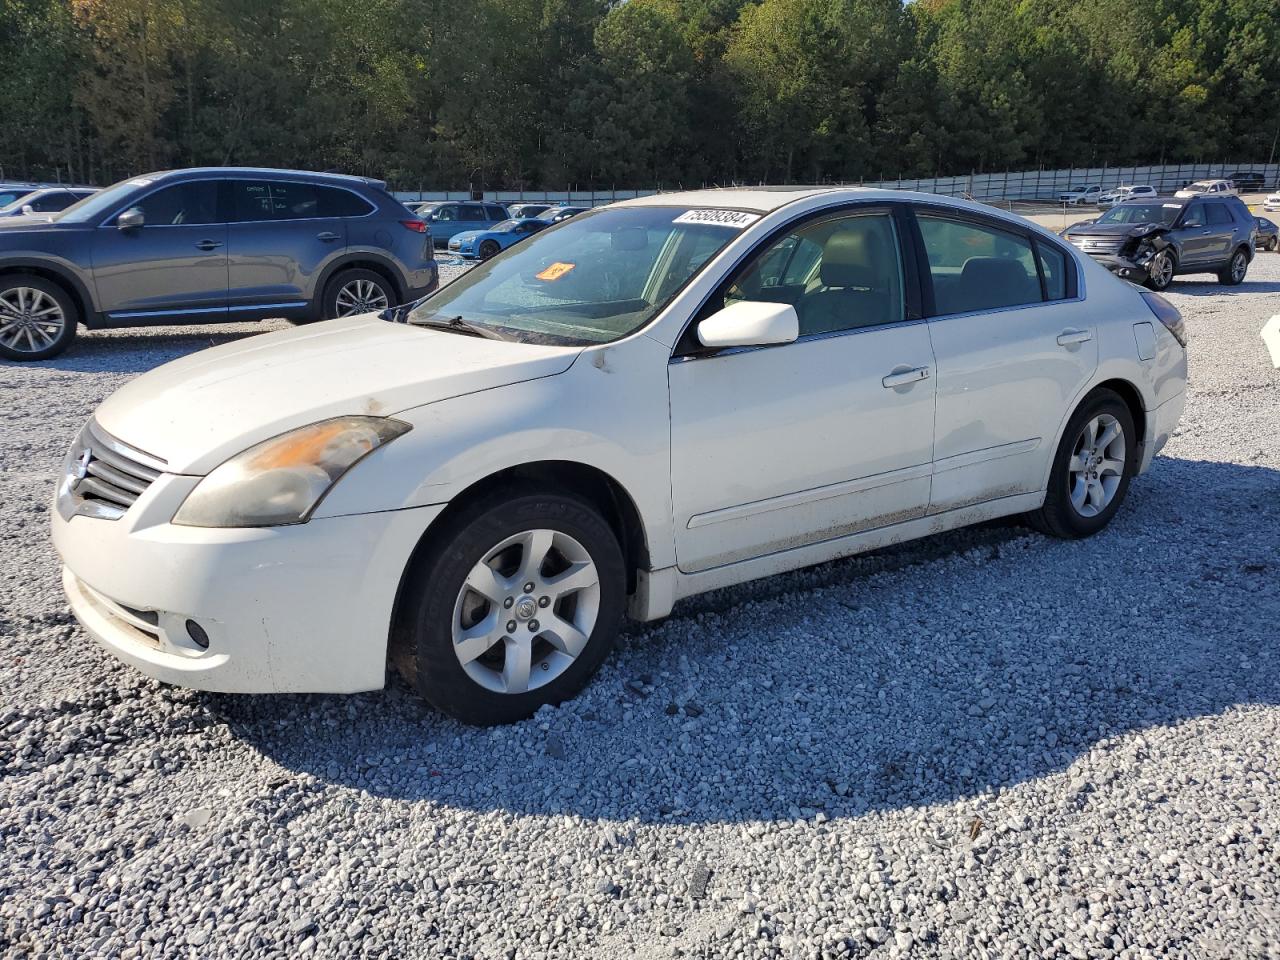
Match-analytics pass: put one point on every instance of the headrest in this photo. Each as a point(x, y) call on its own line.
point(855, 256)
point(994, 273)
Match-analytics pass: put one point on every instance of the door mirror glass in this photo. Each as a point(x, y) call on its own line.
point(28, 208)
point(749, 323)
point(131, 219)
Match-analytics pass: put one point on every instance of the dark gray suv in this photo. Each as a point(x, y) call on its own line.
point(206, 245)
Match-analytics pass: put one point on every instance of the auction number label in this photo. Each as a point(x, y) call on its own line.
point(720, 218)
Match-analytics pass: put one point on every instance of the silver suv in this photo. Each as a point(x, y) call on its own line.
point(207, 245)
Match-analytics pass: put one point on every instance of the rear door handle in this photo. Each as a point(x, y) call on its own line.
point(1071, 338)
point(901, 378)
point(327, 237)
point(208, 244)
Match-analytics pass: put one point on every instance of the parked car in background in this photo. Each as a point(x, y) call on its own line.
point(1272, 202)
point(46, 200)
point(1151, 242)
point(9, 192)
point(556, 214)
point(1248, 181)
point(1268, 234)
point(202, 245)
point(1120, 194)
point(483, 244)
point(1078, 195)
point(1207, 188)
point(610, 416)
point(449, 217)
point(519, 211)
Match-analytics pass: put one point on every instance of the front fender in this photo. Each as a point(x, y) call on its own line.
point(78, 278)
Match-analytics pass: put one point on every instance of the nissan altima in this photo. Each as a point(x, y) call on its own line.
point(647, 401)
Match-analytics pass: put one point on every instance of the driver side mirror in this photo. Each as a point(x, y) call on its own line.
point(28, 209)
point(750, 323)
point(131, 219)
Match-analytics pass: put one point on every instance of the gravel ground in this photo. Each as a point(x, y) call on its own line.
point(987, 744)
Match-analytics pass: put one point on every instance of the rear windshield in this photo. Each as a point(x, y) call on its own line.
point(1165, 213)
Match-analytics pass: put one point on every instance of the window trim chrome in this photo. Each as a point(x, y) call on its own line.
point(108, 224)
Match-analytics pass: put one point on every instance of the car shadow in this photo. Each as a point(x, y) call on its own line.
point(1209, 287)
point(137, 350)
point(934, 671)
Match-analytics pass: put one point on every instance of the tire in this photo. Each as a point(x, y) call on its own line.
point(488, 544)
point(1272, 244)
point(352, 292)
point(37, 318)
point(1160, 277)
point(1067, 513)
point(1232, 275)
point(489, 249)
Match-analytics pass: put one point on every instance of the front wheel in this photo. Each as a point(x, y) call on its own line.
point(1272, 244)
point(516, 606)
point(1161, 270)
point(37, 318)
point(1095, 460)
point(489, 249)
point(1232, 275)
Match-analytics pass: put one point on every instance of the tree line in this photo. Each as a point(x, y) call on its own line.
point(592, 94)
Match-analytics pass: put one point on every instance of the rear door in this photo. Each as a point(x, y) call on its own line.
point(1014, 343)
point(1221, 238)
point(173, 266)
point(281, 241)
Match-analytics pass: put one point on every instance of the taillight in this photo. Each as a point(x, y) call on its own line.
point(1167, 314)
point(417, 226)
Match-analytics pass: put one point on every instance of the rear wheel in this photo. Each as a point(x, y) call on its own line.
point(356, 291)
point(37, 318)
point(1094, 463)
point(1233, 273)
point(516, 606)
point(1163, 266)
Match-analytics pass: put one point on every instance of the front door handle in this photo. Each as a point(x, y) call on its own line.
point(902, 378)
point(1071, 338)
point(327, 237)
point(208, 244)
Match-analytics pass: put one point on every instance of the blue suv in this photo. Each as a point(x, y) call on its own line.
point(207, 245)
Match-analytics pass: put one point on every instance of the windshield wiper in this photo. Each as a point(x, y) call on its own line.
point(459, 325)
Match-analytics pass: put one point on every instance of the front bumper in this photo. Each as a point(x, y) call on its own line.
point(304, 608)
point(1122, 266)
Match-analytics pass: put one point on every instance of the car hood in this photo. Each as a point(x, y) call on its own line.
point(468, 235)
point(1096, 229)
point(196, 412)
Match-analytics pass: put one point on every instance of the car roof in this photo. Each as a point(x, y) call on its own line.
point(272, 173)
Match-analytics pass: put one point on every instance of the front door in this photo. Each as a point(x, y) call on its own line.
point(1014, 347)
point(173, 266)
point(1194, 236)
point(783, 446)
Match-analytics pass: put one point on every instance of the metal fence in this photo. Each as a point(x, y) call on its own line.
point(1026, 185)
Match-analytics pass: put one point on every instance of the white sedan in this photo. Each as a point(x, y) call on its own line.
point(1078, 195)
point(650, 400)
point(1272, 202)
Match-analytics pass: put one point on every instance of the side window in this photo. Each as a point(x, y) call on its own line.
point(336, 202)
point(181, 204)
point(50, 202)
point(473, 214)
point(840, 274)
point(1053, 266)
point(1218, 213)
point(496, 213)
point(256, 200)
point(1194, 216)
point(449, 212)
point(976, 267)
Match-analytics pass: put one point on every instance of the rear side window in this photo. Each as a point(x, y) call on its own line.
point(473, 214)
point(496, 213)
point(336, 202)
point(977, 267)
point(1053, 267)
point(256, 200)
point(1218, 213)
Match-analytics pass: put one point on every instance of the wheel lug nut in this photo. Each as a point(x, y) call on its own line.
point(533, 626)
point(528, 588)
point(511, 626)
point(507, 603)
point(544, 601)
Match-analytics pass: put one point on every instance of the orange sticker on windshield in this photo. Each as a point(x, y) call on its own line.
point(555, 271)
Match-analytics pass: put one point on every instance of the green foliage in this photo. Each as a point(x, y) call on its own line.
point(594, 93)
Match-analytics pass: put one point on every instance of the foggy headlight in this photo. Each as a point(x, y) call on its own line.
point(281, 480)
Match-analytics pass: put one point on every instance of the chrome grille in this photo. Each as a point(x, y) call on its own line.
point(104, 477)
point(1098, 244)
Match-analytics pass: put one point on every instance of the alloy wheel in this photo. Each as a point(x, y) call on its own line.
point(526, 611)
point(1238, 266)
point(360, 296)
point(1097, 465)
point(30, 319)
point(1162, 270)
